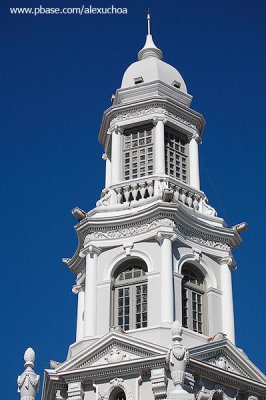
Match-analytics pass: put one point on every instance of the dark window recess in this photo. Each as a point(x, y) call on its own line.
point(138, 80)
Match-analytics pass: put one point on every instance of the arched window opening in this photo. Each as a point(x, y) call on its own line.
point(130, 295)
point(193, 289)
point(118, 394)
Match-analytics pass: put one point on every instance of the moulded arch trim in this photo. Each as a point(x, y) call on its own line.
point(119, 384)
point(121, 257)
point(209, 275)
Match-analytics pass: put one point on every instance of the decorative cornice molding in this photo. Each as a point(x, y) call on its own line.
point(170, 221)
point(204, 238)
point(156, 108)
point(125, 231)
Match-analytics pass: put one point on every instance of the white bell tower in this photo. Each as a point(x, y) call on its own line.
point(153, 265)
point(153, 250)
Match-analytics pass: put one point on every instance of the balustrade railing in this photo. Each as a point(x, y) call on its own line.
point(136, 191)
point(166, 188)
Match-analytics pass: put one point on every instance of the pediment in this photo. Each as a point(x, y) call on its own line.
point(111, 349)
point(225, 355)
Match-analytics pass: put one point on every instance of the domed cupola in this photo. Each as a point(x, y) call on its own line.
point(150, 68)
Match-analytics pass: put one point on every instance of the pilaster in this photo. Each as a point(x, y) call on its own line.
point(165, 239)
point(75, 391)
point(90, 308)
point(194, 178)
point(159, 146)
point(80, 291)
point(227, 298)
point(159, 383)
point(116, 132)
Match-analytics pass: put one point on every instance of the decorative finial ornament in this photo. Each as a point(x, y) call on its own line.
point(149, 49)
point(149, 21)
point(28, 382)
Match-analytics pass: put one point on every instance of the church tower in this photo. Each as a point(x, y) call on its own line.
point(153, 266)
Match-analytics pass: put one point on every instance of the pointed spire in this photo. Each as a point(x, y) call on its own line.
point(149, 49)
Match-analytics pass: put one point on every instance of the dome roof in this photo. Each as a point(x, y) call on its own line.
point(150, 67)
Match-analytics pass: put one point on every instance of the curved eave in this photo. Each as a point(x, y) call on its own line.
point(75, 263)
point(109, 114)
point(97, 220)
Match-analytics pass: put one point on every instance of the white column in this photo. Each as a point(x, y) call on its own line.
point(90, 307)
point(116, 154)
point(167, 287)
point(227, 301)
point(159, 146)
point(79, 290)
point(108, 172)
point(194, 179)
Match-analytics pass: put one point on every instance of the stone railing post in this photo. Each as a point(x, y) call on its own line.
point(28, 381)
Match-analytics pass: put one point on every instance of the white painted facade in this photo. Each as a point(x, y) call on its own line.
point(161, 223)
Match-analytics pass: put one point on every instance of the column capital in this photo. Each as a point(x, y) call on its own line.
point(115, 129)
point(90, 249)
point(155, 120)
point(165, 235)
point(228, 261)
point(196, 137)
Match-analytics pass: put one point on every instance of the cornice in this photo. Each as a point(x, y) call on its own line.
point(227, 378)
point(195, 367)
point(188, 120)
point(121, 368)
point(144, 225)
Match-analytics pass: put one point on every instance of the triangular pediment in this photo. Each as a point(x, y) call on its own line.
point(225, 355)
point(111, 349)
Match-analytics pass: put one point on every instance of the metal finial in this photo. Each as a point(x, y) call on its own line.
point(149, 21)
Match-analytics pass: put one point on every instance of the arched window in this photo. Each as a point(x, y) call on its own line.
point(130, 295)
point(193, 289)
point(118, 394)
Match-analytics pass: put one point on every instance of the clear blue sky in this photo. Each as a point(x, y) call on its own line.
point(57, 76)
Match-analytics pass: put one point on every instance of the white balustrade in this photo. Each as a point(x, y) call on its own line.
point(136, 191)
point(140, 190)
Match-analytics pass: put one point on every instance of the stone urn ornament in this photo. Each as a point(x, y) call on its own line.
point(178, 358)
point(28, 382)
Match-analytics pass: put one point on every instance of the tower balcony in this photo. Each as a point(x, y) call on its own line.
point(137, 192)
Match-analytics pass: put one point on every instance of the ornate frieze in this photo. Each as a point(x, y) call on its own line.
point(153, 109)
point(129, 230)
point(203, 238)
